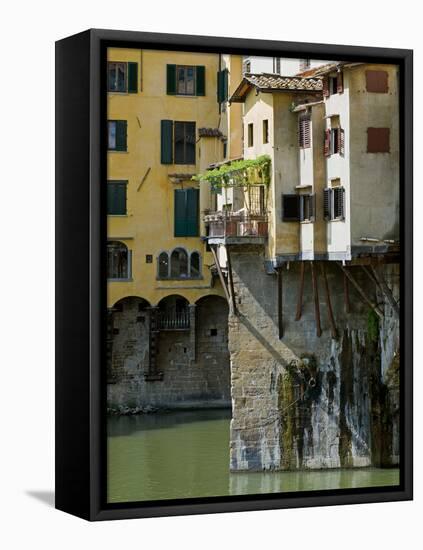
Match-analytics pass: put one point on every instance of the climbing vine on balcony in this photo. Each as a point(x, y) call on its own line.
point(239, 173)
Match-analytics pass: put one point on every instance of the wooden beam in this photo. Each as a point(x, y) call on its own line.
point(333, 331)
point(231, 280)
point(144, 178)
point(300, 292)
point(361, 292)
point(280, 302)
point(347, 305)
point(221, 277)
point(316, 300)
point(386, 290)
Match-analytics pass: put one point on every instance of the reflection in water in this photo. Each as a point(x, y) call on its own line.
point(186, 454)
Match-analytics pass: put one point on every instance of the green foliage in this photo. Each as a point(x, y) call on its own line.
point(372, 326)
point(240, 173)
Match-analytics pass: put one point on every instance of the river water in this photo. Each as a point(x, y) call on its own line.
point(186, 454)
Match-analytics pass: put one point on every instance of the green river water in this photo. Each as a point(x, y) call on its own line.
point(186, 454)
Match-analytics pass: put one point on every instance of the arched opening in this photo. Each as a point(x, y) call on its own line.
point(118, 260)
point(195, 265)
point(179, 264)
point(163, 269)
point(173, 313)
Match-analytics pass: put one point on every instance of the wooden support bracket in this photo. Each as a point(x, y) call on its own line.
point(144, 178)
point(361, 292)
point(221, 277)
point(386, 290)
point(333, 330)
point(316, 300)
point(300, 292)
point(280, 302)
point(231, 280)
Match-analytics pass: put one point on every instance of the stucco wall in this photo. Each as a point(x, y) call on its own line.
point(375, 184)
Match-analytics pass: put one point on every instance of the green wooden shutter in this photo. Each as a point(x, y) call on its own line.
point(201, 80)
point(192, 213)
point(116, 198)
point(132, 78)
point(121, 133)
point(222, 86)
point(166, 150)
point(171, 79)
point(225, 84)
point(179, 213)
point(219, 86)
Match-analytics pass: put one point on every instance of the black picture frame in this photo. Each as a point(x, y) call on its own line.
point(81, 284)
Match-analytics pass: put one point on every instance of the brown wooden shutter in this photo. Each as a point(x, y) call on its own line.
point(378, 140)
point(304, 140)
point(377, 82)
point(340, 82)
point(326, 146)
point(326, 86)
point(341, 142)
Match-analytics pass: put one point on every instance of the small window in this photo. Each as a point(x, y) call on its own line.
point(277, 65)
point(333, 84)
point(163, 265)
point(250, 135)
point(377, 82)
point(117, 77)
point(291, 208)
point(122, 77)
point(213, 332)
point(378, 140)
point(179, 264)
point(334, 142)
point(265, 131)
point(118, 261)
point(304, 135)
point(184, 142)
point(247, 67)
point(307, 208)
point(334, 203)
point(185, 80)
point(117, 135)
point(116, 198)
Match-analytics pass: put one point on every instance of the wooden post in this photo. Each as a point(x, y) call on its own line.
point(361, 292)
point(386, 290)
point(300, 292)
point(231, 280)
point(347, 305)
point(280, 303)
point(316, 300)
point(334, 332)
point(221, 277)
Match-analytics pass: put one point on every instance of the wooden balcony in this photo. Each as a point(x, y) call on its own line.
point(236, 227)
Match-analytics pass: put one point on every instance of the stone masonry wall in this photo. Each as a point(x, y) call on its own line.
point(187, 382)
point(304, 401)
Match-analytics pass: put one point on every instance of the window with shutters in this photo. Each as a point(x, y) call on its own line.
point(298, 208)
point(184, 142)
point(304, 134)
point(117, 132)
point(265, 131)
point(334, 142)
point(334, 203)
point(333, 84)
point(250, 134)
point(118, 261)
point(179, 264)
point(122, 77)
point(378, 140)
point(186, 80)
point(186, 212)
point(116, 198)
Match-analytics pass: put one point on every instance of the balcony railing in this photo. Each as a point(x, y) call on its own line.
point(236, 224)
point(173, 320)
